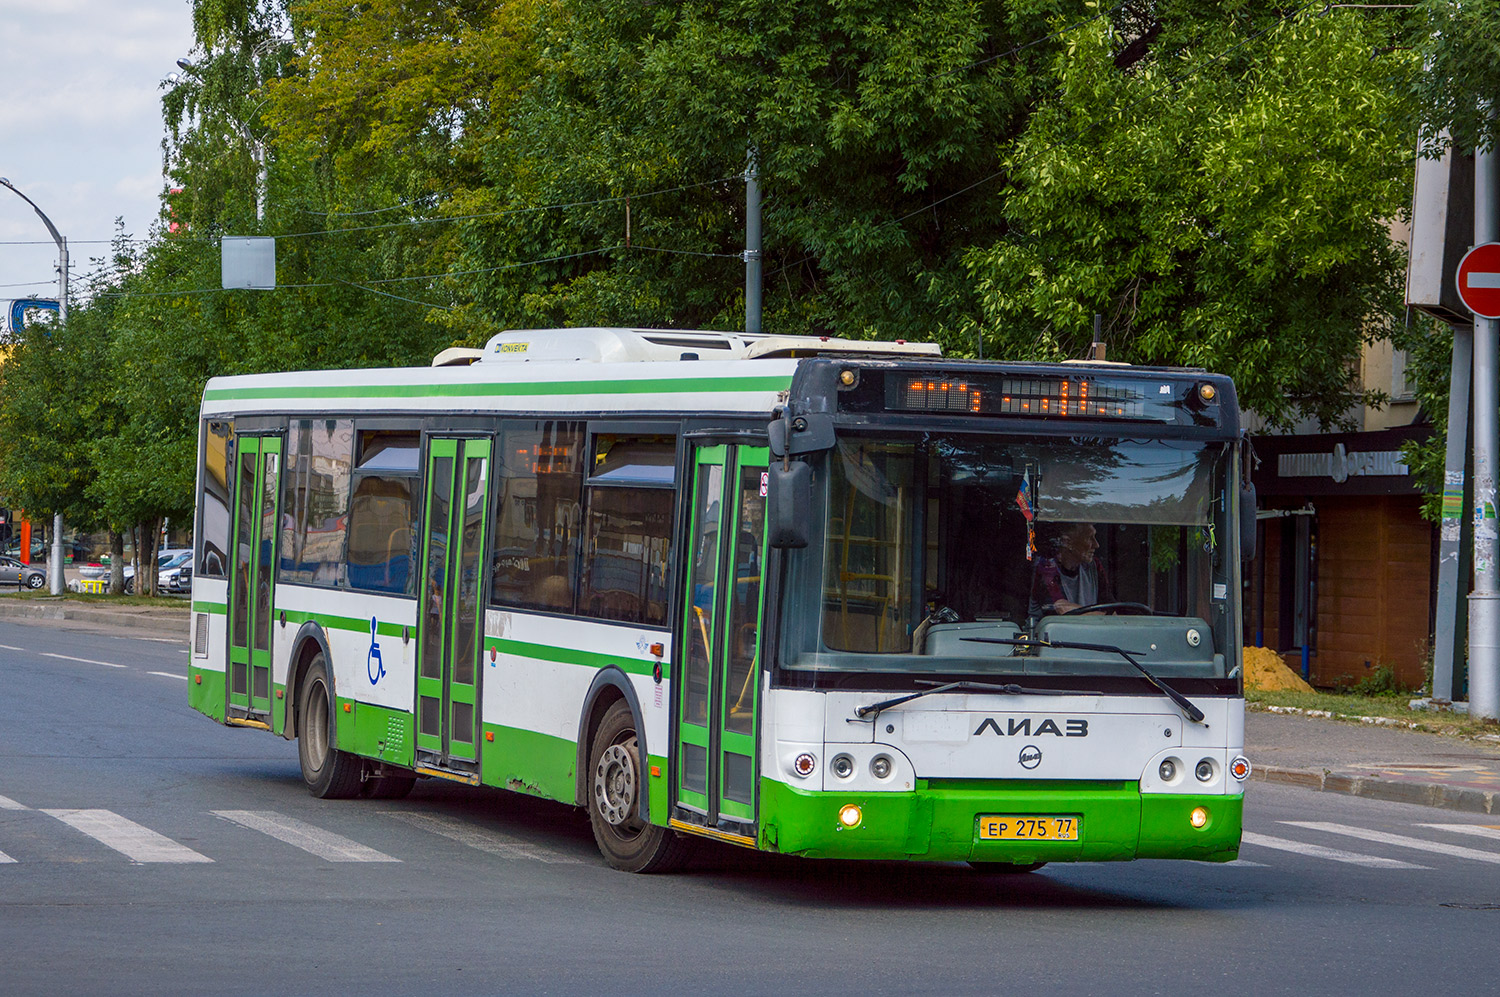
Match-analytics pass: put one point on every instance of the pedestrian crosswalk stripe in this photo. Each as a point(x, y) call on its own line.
point(1400, 840)
point(1478, 830)
point(141, 844)
point(6, 803)
point(315, 840)
point(1320, 852)
point(484, 839)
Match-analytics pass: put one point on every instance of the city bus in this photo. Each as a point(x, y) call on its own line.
point(805, 595)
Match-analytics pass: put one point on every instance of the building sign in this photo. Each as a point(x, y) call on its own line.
point(1341, 464)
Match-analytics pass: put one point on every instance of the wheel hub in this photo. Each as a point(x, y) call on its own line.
point(615, 784)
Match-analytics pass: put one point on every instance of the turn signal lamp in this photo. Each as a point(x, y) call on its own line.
point(1199, 817)
point(851, 816)
point(1207, 392)
point(804, 764)
point(1240, 768)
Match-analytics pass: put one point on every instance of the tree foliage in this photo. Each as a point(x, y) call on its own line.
point(1215, 179)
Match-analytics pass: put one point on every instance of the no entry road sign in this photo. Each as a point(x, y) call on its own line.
point(1479, 280)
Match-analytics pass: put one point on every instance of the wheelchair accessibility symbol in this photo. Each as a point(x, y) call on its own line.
point(374, 666)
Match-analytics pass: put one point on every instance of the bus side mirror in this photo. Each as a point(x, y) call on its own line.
point(1247, 523)
point(788, 505)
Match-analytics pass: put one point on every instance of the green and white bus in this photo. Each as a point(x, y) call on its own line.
point(811, 596)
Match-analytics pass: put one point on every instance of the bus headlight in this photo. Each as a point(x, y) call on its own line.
point(1167, 770)
point(842, 766)
point(1205, 770)
point(880, 766)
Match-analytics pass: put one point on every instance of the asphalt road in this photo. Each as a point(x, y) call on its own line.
point(148, 850)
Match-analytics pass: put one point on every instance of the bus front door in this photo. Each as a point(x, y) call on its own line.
point(449, 629)
point(715, 757)
point(257, 492)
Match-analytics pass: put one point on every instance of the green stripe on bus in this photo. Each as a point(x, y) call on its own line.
point(350, 623)
point(668, 385)
point(570, 656)
point(218, 608)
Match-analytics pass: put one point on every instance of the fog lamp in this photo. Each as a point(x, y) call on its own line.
point(1199, 817)
point(850, 816)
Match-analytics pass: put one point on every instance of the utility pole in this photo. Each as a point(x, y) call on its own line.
point(55, 569)
point(1484, 601)
point(752, 244)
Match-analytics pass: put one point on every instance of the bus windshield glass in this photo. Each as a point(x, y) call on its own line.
point(937, 550)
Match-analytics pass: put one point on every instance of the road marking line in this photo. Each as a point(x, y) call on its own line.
point(169, 675)
point(1480, 830)
point(494, 842)
point(140, 844)
point(6, 803)
point(1319, 852)
point(5, 859)
point(86, 661)
point(315, 840)
point(1401, 840)
point(1237, 862)
point(8, 647)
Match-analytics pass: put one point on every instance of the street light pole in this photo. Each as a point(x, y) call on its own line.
point(55, 569)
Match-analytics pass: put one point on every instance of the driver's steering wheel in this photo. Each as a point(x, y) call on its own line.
point(1123, 608)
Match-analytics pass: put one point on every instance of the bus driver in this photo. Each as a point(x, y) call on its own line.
point(1072, 578)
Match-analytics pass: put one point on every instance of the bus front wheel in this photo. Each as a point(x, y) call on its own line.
point(330, 774)
point(629, 842)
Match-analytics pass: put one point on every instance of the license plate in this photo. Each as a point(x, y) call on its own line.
point(1027, 827)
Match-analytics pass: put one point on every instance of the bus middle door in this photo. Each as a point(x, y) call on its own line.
point(257, 494)
point(450, 617)
point(716, 722)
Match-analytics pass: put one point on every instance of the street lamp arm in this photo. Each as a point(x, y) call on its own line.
point(56, 236)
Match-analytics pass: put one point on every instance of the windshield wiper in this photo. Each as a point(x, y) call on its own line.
point(1183, 703)
point(1009, 689)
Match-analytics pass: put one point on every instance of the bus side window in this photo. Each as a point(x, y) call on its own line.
point(628, 528)
point(538, 487)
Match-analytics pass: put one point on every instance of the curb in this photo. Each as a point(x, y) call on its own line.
point(1427, 794)
point(168, 622)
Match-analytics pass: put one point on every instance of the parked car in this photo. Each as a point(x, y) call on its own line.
point(177, 574)
point(170, 558)
point(13, 572)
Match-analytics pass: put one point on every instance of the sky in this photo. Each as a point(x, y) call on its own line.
point(82, 126)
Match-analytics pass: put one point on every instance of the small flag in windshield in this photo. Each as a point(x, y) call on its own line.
point(1023, 502)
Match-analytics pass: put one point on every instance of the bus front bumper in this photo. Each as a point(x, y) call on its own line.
point(940, 822)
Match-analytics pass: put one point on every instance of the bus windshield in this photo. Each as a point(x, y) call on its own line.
point(936, 550)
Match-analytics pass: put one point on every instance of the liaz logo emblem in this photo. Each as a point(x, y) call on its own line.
point(1022, 726)
point(1031, 757)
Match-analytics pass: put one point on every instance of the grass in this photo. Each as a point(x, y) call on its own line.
point(1393, 706)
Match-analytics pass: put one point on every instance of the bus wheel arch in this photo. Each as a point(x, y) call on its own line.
point(616, 777)
point(309, 642)
point(610, 686)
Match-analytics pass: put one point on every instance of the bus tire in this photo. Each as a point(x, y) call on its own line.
point(628, 842)
point(330, 774)
point(1005, 868)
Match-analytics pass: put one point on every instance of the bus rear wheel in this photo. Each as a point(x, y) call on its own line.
point(330, 774)
point(629, 843)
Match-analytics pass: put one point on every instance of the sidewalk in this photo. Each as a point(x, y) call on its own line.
point(168, 620)
point(1377, 762)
